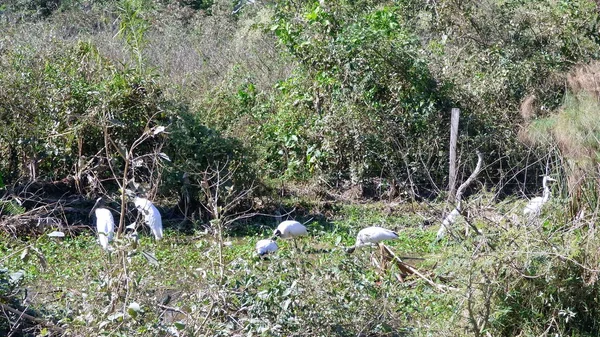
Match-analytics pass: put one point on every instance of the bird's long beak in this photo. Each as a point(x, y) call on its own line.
point(94, 208)
point(276, 235)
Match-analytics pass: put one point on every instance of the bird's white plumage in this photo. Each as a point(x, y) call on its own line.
point(371, 235)
point(534, 206)
point(151, 216)
point(266, 246)
point(290, 229)
point(105, 224)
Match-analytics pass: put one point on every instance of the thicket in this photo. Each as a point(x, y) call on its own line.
point(379, 79)
point(71, 110)
point(337, 92)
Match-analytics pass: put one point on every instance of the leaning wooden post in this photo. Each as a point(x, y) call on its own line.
point(453, 141)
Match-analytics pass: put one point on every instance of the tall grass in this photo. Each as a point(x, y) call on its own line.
point(575, 131)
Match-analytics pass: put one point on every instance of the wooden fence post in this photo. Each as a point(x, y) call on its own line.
point(453, 141)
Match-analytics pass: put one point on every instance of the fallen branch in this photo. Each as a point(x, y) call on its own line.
point(40, 321)
point(412, 270)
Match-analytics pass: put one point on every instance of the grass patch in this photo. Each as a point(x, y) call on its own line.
point(514, 279)
point(316, 290)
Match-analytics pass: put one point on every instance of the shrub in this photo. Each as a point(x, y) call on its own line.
point(81, 110)
point(73, 96)
point(573, 131)
point(370, 106)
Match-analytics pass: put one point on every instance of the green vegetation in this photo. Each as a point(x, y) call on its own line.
point(334, 112)
point(522, 279)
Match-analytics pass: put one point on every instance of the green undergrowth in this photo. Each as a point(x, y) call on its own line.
point(315, 289)
point(516, 278)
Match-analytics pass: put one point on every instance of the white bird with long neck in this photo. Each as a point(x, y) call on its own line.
point(151, 214)
point(289, 229)
point(264, 247)
point(105, 223)
point(372, 235)
point(534, 206)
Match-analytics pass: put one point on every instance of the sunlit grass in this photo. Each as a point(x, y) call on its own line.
point(317, 283)
point(316, 289)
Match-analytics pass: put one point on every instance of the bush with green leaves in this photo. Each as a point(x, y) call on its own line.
point(11, 295)
point(70, 111)
point(495, 54)
point(61, 106)
point(530, 281)
point(370, 106)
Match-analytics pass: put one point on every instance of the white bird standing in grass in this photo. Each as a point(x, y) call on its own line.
point(151, 216)
point(289, 229)
point(534, 206)
point(372, 235)
point(264, 247)
point(105, 223)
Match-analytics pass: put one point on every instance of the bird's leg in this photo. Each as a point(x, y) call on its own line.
point(383, 257)
point(296, 245)
point(372, 257)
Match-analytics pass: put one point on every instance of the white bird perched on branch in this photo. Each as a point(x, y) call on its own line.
point(372, 235)
point(105, 223)
point(534, 206)
point(289, 229)
point(264, 247)
point(151, 216)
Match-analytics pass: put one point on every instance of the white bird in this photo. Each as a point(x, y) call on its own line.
point(372, 235)
point(151, 216)
point(267, 246)
point(105, 223)
point(534, 206)
point(289, 229)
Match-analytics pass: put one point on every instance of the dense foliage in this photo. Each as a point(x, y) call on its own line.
point(203, 103)
point(369, 96)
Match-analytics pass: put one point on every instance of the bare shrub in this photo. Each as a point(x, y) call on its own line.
point(202, 54)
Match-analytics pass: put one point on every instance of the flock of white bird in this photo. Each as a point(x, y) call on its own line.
point(105, 222)
point(289, 229)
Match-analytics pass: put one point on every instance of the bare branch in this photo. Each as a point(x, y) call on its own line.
point(451, 217)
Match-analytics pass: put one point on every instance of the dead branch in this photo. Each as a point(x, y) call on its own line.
point(404, 267)
point(451, 217)
point(30, 318)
